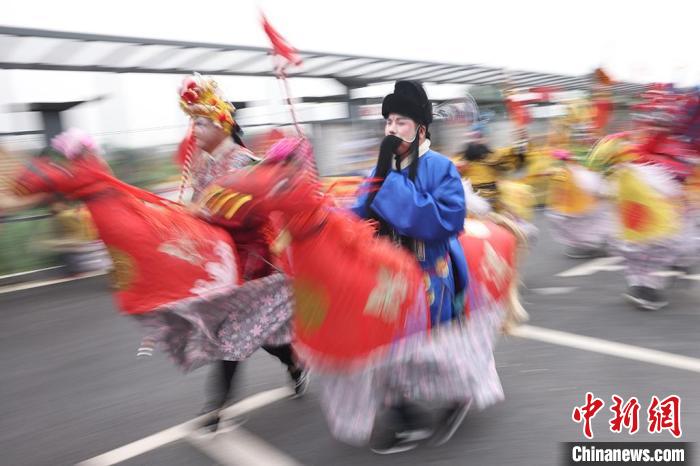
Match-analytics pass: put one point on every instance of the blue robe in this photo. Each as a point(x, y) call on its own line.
point(431, 210)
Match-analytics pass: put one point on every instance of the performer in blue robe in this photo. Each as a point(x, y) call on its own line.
point(418, 199)
point(416, 196)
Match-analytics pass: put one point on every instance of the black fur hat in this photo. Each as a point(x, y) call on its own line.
point(409, 99)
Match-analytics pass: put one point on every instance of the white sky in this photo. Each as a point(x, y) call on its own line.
point(634, 40)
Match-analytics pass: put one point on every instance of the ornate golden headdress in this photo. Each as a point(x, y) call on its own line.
point(200, 96)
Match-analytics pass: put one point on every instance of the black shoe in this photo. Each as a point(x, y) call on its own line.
point(584, 253)
point(646, 298)
point(300, 379)
point(415, 435)
point(682, 269)
point(215, 423)
point(231, 423)
point(211, 421)
point(449, 423)
point(680, 273)
point(654, 298)
point(396, 443)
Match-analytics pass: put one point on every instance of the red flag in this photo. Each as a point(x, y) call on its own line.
point(602, 77)
point(518, 112)
point(603, 109)
point(279, 45)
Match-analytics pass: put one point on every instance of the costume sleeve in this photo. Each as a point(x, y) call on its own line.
point(428, 216)
point(359, 208)
point(237, 161)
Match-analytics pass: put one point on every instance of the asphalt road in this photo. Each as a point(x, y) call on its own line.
point(71, 387)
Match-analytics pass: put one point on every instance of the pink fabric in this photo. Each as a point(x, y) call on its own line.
point(561, 154)
point(73, 143)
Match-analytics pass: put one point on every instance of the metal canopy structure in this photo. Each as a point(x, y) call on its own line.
point(38, 49)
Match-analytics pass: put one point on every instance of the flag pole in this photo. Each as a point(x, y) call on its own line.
point(287, 55)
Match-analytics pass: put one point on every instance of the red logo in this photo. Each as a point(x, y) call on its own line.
point(626, 416)
point(665, 415)
point(661, 414)
point(587, 412)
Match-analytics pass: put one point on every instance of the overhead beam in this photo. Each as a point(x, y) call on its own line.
point(409, 69)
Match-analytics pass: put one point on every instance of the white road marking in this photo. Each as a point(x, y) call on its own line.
point(667, 273)
point(553, 290)
point(612, 264)
point(532, 371)
point(600, 264)
point(38, 284)
point(180, 431)
point(256, 401)
point(239, 447)
point(597, 345)
point(675, 273)
point(19, 274)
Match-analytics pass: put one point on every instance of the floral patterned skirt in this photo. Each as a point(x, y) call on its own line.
point(228, 324)
point(591, 230)
point(453, 363)
point(645, 261)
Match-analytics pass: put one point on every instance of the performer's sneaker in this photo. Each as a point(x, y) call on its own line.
point(300, 379)
point(681, 272)
point(229, 424)
point(215, 422)
point(450, 422)
point(646, 298)
point(211, 421)
point(415, 435)
point(399, 442)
